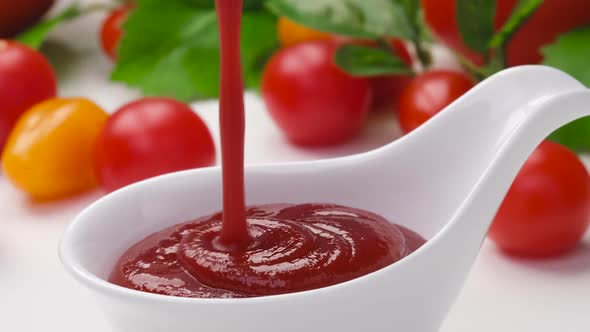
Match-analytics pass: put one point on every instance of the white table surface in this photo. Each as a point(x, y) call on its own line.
point(501, 294)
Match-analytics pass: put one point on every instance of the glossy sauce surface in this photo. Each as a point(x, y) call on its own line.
point(293, 248)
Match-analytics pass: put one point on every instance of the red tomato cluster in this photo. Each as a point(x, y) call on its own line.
point(547, 210)
point(552, 19)
point(48, 136)
point(312, 100)
point(57, 147)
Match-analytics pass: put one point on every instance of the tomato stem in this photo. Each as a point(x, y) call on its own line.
point(477, 72)
point(422, 53)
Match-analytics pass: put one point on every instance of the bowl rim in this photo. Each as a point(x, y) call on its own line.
point(76, 268)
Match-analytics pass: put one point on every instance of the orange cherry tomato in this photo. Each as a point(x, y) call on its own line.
point(291, 33)
point(50, 150)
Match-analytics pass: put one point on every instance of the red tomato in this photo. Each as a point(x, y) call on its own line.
point(428, 94)
point(111, 30)
point(553, 18)
point(387, 89)
point(547, 209)
point(26, 78)
point(310, 98)
point(18, 15)
point(149, 137)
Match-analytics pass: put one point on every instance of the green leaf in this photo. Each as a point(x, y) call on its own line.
point(179, 56)
point(35, 36)
point(259, 42)
point(253, 76)
point(522, 12)
point(412, 12)
point(411, 7)
point(369, 61)
point(355, 18)
point(210, 4)
point(575, 135)
point(571, 53)
point(419, 32)
point(475, 19)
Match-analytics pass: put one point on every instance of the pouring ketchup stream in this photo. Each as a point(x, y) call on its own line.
point(234, 232)
point(258, 250)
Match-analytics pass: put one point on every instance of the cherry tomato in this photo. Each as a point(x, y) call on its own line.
point(428, 94)
point(553, 18)
point(310, 98)
point(112, 31)
point(26, 78)
point(150, 137)
point(387, 89)
point(49, 152)
point(547, 209)
point(291, 33)
point(18, 15)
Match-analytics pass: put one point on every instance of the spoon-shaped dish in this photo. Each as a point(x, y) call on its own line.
point(444, 180)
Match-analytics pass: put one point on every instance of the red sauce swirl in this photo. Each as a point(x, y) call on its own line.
point(293, 248)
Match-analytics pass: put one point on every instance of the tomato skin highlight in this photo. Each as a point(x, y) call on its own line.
point(112, 29)
point(26, 78)
point(553, 18)
point(49, 153)
point(547, 209)
point(150, 137)
point(428, 94)
point(312, 100)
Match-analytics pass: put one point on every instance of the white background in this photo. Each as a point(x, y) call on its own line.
point(502, 294)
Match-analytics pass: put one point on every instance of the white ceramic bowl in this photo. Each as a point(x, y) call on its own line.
point(445, 180)
point(398, 295)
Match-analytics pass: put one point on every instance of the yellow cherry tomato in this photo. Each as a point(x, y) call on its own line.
point(291, 33)
point(49, 152)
